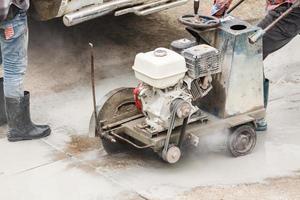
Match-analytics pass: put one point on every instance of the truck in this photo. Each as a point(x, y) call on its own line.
point(77, 11)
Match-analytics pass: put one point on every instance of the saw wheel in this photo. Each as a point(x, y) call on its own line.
point(114, 108)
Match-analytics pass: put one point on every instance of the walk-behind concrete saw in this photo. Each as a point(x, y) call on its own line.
point(213, 82)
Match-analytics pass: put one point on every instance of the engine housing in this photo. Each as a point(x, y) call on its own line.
point(167, 76)
point(157, 105)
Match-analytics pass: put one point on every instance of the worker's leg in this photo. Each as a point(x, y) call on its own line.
point(281, 34)
point(2, 103)
point(14, 41)
point(261, 124)
point(13, 61)
point(14, 44)
point(3, 119)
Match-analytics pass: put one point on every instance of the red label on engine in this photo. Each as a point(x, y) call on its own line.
point(136, 93)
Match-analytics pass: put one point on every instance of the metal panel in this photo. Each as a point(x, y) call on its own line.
point(239, 88)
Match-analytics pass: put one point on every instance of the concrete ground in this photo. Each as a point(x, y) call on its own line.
point(70, 165)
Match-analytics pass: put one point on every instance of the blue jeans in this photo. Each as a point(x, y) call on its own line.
point(14, 54)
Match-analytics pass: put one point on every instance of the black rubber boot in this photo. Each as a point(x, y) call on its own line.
point(19, 121)
point(262, 123)
point(3, 119)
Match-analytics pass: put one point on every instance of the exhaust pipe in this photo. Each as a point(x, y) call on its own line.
point(92, 12)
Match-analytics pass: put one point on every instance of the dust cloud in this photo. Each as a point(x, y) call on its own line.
point(214, 142)
point(59, 55)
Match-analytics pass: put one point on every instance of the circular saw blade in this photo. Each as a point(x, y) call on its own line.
point(115, 107)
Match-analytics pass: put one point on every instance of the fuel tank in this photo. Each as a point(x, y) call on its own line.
point(160, 68)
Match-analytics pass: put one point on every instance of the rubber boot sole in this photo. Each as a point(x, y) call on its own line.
point(261, 128)
point(17, 139)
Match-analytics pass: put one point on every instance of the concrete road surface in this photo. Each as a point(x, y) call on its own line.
point(69, 165)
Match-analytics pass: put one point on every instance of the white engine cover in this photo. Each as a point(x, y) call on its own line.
point(161, 68)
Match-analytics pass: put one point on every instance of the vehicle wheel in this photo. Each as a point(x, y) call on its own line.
point(242, 140)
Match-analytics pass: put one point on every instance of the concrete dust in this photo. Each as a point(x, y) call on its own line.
point(118, 161)
point(81, 143)
point(214, 142)
point(121, 161)
point(88, 155)
point(91, 151)
point(69, 69)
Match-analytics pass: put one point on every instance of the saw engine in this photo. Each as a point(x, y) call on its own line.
point(173, 80)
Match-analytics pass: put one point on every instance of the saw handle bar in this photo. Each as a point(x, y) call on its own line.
point(196, 6)
point(234, 6)
point(260, 33)
point(129, 142)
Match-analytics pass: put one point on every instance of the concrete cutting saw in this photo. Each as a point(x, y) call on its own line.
point(212, 82)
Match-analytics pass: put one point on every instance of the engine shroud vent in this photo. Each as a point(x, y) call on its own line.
point(197, 90)
point(202, 60)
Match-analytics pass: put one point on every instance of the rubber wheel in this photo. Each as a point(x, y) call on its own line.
point(242, 140)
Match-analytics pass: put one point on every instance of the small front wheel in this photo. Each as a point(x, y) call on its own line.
point(242, 140)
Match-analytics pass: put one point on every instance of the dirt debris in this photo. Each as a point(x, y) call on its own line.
point(285, 188)
point(118, 161)
point(81, 143)
point(81, 146)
